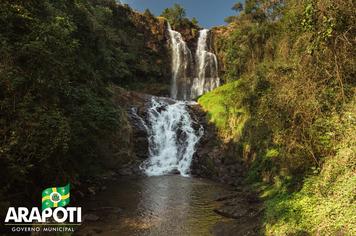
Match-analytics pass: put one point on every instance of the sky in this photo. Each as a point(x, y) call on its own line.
point(208, 12)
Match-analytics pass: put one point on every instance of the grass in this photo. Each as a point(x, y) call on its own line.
point(324, 206)
point(326, 203)
point(225, 109)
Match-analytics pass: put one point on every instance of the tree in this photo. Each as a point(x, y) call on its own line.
point(175, 15)
point(238, 7)
point(148, 13)
point(195, 21)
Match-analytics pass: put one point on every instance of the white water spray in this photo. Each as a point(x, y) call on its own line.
point(207, 67)
point(181, 66)
point(172, 139)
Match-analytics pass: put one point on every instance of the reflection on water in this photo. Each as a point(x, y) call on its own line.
point(163, 205)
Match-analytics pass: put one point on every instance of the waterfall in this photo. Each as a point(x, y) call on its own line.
point(207, 67)
point(183, 86)
point(182, 62)
point(172, 138)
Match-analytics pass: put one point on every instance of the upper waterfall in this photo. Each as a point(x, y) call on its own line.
point(182, 64)
point(192, 77)
point(207, 77)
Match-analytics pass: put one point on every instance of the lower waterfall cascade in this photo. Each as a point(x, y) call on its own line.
point(172, 138)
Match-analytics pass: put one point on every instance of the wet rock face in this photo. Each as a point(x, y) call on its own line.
point(135, 106)
point(213, 158)
point(190, 34)
point(153, 73)
point(140, 133)
point(242, 205)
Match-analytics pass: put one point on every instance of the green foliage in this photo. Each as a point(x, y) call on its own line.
point(237, 7)
point(309, 17)
point(148, 13)
point(244, 48)
point(176, 16)
point(57, 62)
point(257, 11)
point(325, 205)
point(230, 19)
point(195, 21)
point(223, 110)
point(44, 88)
point(294, 64)
point(289, 97)
point(272, 153)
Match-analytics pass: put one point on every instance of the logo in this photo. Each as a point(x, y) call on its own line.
point(55, 197)
point(53, 217)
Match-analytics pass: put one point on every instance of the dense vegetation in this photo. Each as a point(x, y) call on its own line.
point(287, 106)
point(290, 98)
point(58, 60)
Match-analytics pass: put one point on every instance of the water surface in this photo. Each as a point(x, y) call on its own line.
point(162, 205)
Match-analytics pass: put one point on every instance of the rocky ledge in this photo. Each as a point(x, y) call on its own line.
point(244, 208)
point(215, 160)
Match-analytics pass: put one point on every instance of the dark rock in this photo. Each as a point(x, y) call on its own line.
point(175, 172)
point(106, 210)
point(125, 171)
point(235, 212)
point(239, 189)
point(91, 217)
point(246, 228)
point(233, 202)
point(253, 198)
point(226, 197)
point(91, 190)
point(97, 231)
point(80, 194)
point(140, 133)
